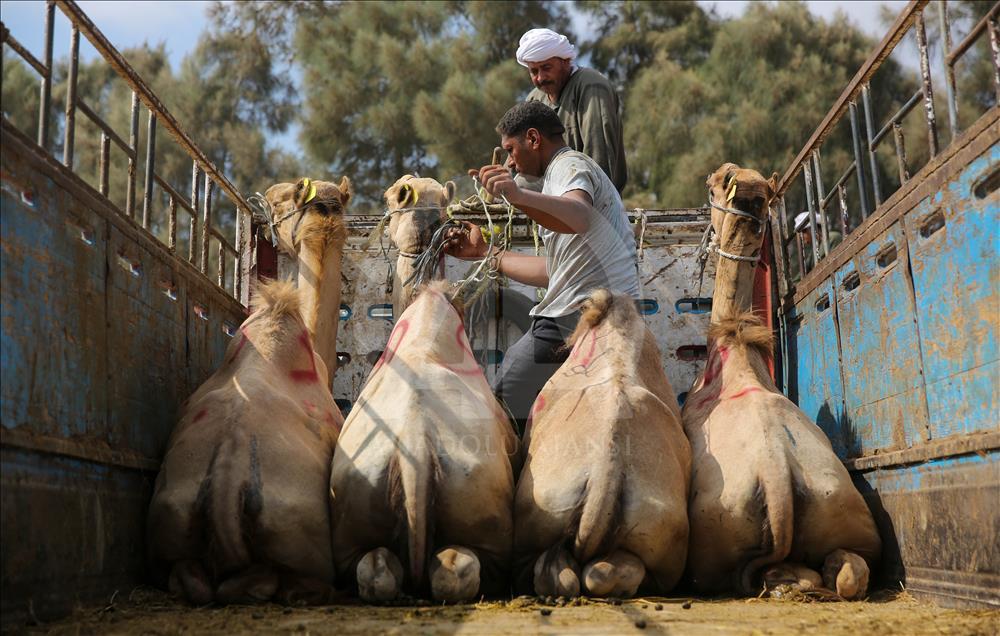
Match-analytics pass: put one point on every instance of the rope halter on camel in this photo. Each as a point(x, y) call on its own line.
point(709, 240)
point(263, 211)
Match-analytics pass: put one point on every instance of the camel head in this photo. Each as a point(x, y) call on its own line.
point(421, 204)
point(743, 190)
point(310, 225)
point(410, 230)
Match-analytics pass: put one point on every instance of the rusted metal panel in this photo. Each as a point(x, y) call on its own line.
point(939, 522)
point(815, 379)
point(880, 350)
point(50, 245)
point(953, 237)
point(73, 531)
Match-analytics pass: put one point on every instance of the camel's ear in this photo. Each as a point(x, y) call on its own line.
point(305, 191)
point(723, 174)
point(449, 191)
point(346, 190)
point(772, 186)
point(404, 193)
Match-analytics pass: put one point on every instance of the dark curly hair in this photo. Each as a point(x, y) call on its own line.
point(525, 115)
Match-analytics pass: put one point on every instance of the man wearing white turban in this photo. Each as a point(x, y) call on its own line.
point(585, 100)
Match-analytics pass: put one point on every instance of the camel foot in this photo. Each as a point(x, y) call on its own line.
point(556, 573)
point(454, 575)
point(256, 583)
point(190, 581)
point(794, 575)
point(847, 573)
point(380, 576)
point(617, 575)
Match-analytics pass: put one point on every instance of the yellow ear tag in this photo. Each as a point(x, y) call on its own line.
point(416, 197)
point(732, 192)
point(312, 193)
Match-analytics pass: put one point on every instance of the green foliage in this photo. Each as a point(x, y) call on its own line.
point(20, 94)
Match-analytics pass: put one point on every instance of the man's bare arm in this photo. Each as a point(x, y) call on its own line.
point(525, 268)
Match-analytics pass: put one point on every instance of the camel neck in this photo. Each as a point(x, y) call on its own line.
point(319, 288)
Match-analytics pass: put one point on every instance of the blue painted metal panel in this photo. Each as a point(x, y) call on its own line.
point(939, 521)
point(883, 382)
point(956, 278)
point(815, 375)
point(52, 354)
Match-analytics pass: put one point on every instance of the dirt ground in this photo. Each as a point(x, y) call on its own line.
point(147, 611)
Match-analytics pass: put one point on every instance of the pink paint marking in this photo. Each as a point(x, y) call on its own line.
point(745, 391)
point(305, 376)
point(539, 404)
point(587, 357)
point(468, 365)
point(200, 415)
point(399, 332)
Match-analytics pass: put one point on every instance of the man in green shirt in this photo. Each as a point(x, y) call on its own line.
point(584, 99)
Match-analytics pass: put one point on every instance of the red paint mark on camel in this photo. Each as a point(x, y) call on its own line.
point(539, 404)
point(589, 339)
point(713, 371)
point(301, 375)
point(199, 416)
point(398, 332)
point(468, 365)
point(740, 394)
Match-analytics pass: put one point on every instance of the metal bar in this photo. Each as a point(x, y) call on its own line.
point(221, 255)
point(801, 253)
point(811, 208)
point(824, 233)
point(133, 143)
point(858, 165)
point(105, 159)
point(193, 241)
point(172, 192)
point(866, 99)
point(934, 449)
point(222, 240)
point(238, 269)
point(206, 224)
point(45, 101)
point(898, 117)
point(118, 62)
point(949, 69)
point(74, 67)
point(147, 182)
point(840, 182)
point(995, 47)
point(870, 66)
point(845, 219)
point(925, 82)
point(103, 125)
point(25, 54)
point(780, 252)
point(172, 224)
point(964, 45)
point(897, 134)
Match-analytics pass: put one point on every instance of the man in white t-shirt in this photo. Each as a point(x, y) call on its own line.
point(589, 244)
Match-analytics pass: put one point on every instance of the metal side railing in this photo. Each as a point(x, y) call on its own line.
point(205, 176)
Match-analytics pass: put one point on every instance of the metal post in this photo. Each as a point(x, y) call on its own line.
point(811, 205)
point(928, 89)
point(995, 46)
point(193, 237)
point(238, 270)
point(172, 224)
point(147, 185)
point(74, 66)
point(221, 254)
point(133, 143)
point(870, 132)
point(206, 223)
point(46, 97)
point(859, 166)
point(105, 160)
point(897, 135)
point(949, 69)
point(820, 210)
point(845, 220)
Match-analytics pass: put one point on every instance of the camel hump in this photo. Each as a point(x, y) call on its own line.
point(278, 297)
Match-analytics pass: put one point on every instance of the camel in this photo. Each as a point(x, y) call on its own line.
point(601, 505)
point(423, 474)
point(309, 225)
point(770, 501)
point(416, 208)
point(240, 506)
